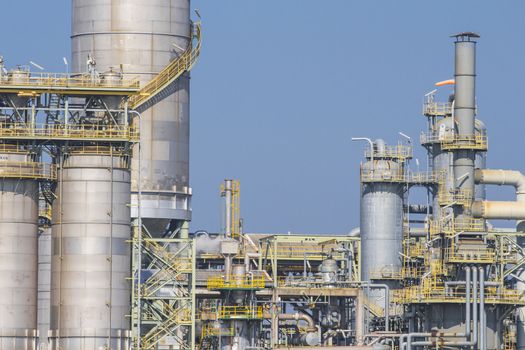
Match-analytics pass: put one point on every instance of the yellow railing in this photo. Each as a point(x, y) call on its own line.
point(171, 73)
point(381, 175)
point(298, 251)
point(26, 79)
point(459, 197)
point(485, 255)
point(400, 152)
point(27, 170)
point(210, 331)
point(452, 141)
point(235, 282)
point(452, 227)
point(436, 293)
point(68, 131)
point(240, 312)
point(437, 108)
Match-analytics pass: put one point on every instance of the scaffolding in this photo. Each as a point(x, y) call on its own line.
point(163, 291)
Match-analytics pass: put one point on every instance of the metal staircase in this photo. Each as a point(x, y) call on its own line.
point(151, 93)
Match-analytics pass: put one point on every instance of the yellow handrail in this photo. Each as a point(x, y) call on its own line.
point(241, 312)
point(235, 282)
point(27, 170)
point(68, 131)
point(171, 73)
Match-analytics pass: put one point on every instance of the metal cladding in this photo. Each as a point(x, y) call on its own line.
point(142, 37)
point(381, 218)
point(44, 285)
point(465, 108)
point(18, 261)
point(90, 291)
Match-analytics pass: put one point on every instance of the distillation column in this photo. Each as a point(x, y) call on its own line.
point(18, 257)
point(143, 37)
point(465, 115)
point(90, 290)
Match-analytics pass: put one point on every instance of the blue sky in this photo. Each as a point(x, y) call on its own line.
point(282, 86)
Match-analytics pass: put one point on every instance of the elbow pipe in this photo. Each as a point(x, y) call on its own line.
point(501, 178)
point(297, 317)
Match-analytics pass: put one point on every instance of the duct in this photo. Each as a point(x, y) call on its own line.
point(499, 210)
point(465, 108)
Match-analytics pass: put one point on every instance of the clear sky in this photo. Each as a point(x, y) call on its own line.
point(282, 86)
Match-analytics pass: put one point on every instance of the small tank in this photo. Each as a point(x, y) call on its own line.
point(328, 270)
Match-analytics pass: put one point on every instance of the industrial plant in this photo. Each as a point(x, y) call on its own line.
point(96, 250)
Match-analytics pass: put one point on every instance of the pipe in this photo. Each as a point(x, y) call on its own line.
point(297, 317)
point(387, 300)
point(474, 336)
point(499, 210)
point(517, 180)
point(360, 318)
point(482, 315)
point(371, 149)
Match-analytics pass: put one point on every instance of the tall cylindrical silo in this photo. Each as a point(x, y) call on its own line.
point(18, 257)
point(143, 37)
point(90, 290)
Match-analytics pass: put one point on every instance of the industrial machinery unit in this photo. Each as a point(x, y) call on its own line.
point(96, 252)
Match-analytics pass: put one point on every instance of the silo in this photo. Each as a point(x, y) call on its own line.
point(143, 37)
point(18, 253)
point(90, 291)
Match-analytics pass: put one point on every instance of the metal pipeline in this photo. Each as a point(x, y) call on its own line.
point(474, 335)
point(508, 211)
point(387, 300)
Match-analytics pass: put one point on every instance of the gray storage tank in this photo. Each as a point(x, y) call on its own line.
point(18, 256)
point(143, 37)
point(90, 289)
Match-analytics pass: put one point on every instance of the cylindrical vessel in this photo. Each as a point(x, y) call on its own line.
point(90, 290)
point(465, 108)
point(18, 260)
point(143, 37)
point(381, 223)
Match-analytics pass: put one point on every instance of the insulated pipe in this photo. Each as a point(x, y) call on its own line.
point(499, 210)
point(465, 108)
point(297, 317)
point(502, 178)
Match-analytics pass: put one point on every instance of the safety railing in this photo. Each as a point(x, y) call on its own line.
point(452, 227)
point(298, 251)
point(438, 109)
point(485, 255)
point(172, 72)
point(382, 175)
point(236, 282)
point(386, 274)
point(28, 170)
point(450, 141)
point(210, 331)
point(26, 79)
point(437, 293)
point(68, 131)
point(400, 152)
point(240, 312)
point(459, 197)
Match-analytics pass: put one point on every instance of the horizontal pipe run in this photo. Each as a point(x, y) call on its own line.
point(499, 210)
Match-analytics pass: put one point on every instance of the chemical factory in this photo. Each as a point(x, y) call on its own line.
point(95, 205)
